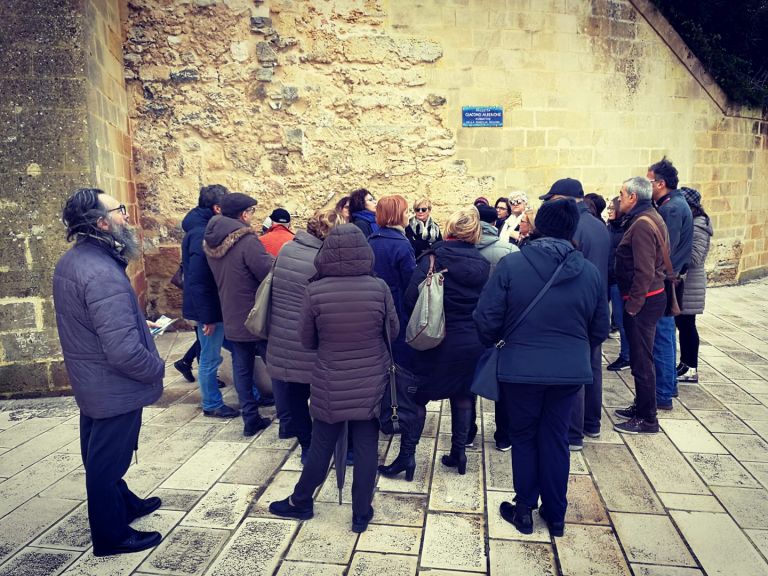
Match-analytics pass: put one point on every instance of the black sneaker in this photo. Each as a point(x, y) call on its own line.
point(504, 446)
point(517, 515)
point(618, 365)
point(360, 523)
point(286, 509)
point(222, 411)
point(258, 424)
point(629, 412)
point(637, 426)
point(185, 369)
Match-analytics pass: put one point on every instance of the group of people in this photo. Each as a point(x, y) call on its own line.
point(534, 284)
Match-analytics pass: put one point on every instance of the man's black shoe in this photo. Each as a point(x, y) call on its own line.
point(637, 426)
point(503, 445)
point(360, 523)
point(286, 509)
point(185, 369)
point(265, 401)
point(518, 515)
point(258, 424)
point(222, 411)
point(136, 542)
point(147, 506)
point(618, 365)
point(555, 528)
point(629, 412)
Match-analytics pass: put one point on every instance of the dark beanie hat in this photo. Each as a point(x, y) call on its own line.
point(235, 203)
point(558, 218)
point(280, 216)
point(487, 213)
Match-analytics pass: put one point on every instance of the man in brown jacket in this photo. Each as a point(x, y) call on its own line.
point(239, 263)
point(640, 275)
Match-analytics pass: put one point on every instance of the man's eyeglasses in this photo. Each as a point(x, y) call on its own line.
point(122, 209)
point(250, 210)
point(422, 209)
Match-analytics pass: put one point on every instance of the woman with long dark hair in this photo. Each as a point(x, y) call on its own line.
point(362, 211)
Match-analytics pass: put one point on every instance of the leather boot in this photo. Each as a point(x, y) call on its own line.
point(409, 440)
point(460, 423)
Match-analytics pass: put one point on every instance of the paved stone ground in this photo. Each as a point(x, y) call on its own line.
point(689, 501)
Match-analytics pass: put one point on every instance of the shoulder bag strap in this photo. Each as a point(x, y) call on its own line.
point(392, 369)
point(538, 296)
point(664, 247)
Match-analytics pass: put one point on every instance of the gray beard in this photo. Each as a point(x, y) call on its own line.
point(126, 240)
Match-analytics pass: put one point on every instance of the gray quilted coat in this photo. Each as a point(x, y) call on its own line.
point(111, 359)
point(343, 317)
point(287, 359)
point(696, 279)
point(491, 248)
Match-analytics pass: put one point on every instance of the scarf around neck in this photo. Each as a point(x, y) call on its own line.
point(428, 230)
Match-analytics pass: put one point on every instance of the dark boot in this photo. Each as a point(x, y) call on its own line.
point(406, 459)
point(460, 424)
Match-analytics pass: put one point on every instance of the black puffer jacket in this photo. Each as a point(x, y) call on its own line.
point(201, 297)
point(447, 370)
point(287, 359)
point(111, 359)
point(343, 317)
point(239, 263)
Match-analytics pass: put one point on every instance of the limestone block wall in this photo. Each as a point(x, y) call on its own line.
point(63, 125)
point(300, 102)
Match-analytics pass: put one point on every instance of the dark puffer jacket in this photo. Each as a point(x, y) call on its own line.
point(111, 359)
point(552, 344)
point(594, 241)
point(343, 317)
point(239, 263)
point(287, 359)
point(679, 220)
point(201, 297)
point(447, 370)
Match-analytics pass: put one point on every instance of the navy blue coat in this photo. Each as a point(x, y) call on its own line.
point(616, 231)
point(201, 297)
point(447, 370)
point(111, 359)
point(594, 241)
point(552, 345)
point(394, 262)
point(679, 220)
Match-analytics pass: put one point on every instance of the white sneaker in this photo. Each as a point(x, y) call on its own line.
point(690, 375)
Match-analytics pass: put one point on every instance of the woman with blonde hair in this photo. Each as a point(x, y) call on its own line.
point(422, 230)
point(446, 371)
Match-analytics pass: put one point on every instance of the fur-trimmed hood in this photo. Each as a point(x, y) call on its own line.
point(222, 233)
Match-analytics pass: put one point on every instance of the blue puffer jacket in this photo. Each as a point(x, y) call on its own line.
point(394, 262)
point(552, 345)
point(111, 359)
point(201, 297)
point(679, 220)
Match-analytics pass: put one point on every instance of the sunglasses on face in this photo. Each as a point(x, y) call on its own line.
point(516, 202)
point(122, 209)
point(422, 209)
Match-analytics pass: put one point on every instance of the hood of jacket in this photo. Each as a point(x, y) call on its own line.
point(545, 254)
point(345, 252)
point(489, 234)
point(222, 233)
point(464, 262)
point(196, 218)
point(306, 239)
point(705, 224)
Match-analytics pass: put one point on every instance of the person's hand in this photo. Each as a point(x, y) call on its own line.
point(152, 324)
point(208, 329)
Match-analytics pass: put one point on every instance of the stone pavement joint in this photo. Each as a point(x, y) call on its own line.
point(690, 501)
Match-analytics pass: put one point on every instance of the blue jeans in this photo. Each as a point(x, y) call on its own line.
point(617, 306)
point(209, 362)
point(243, 356)
point(664, 359)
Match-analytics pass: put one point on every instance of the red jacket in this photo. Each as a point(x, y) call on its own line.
point(274, 238)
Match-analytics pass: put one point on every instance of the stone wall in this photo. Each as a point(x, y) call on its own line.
point(63, 125)
point(299, 102)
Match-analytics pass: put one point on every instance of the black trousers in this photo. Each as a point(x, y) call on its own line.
point(587, 410)
point(298, 405)
point(689, 339)
point(366, 448)
point(539, 416)
point(641, 331)
point(106, 445)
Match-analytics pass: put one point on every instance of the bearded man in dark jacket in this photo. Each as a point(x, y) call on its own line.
point(239, 264)
point(111, 360)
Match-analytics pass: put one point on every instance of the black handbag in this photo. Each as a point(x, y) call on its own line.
point(178, 278)
point(399, 408)
point(485, 382)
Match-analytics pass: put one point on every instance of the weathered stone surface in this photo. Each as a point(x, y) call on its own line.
point(651, 539)
point(390, 540)
point(206, 466)
point(399, 509)
point(498, 468)
point(255, 466)
point(222, 507)
point(72, 533)
point(665, 466)
point(453, 492)
point(279, 488)
point(369, 563)
point(27, 521)
point(522, 558)
point(185, 550)
point(584, 503)
point(178, 499)
point(745, 447)
point(691, 502)
point(721, 421)
point(721, 470)
point(420, 484)
point(256, 547)
point(27, 430)
point(24, 485)
point(590, 550)
point(690, 436)
point(327, 537)
point(37, 562)
point(748, 506)
point(23, 456)
point(454, 541)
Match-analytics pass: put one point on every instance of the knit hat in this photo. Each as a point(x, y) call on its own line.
point(280, 216)
point(565, 187)
point(481, 200)
point(557, 218)
point(235, 203)
point(487, 213)
point(693, 197)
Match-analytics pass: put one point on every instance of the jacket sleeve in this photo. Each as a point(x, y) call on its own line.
point(700, 246)
point(406, 266)
point(307, 326)
point(644, 245)
point(257, 259)
point(412, 292)
point(201, 285)
point(600, 324)
point(112, 309)
point(394, 323)
point(491, 311)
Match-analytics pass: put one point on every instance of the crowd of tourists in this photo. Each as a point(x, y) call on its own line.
point(523, 291)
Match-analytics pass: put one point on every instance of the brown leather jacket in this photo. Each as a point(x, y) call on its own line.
point(639, 258)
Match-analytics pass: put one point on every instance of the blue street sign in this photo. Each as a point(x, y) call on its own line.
point(482, 116)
